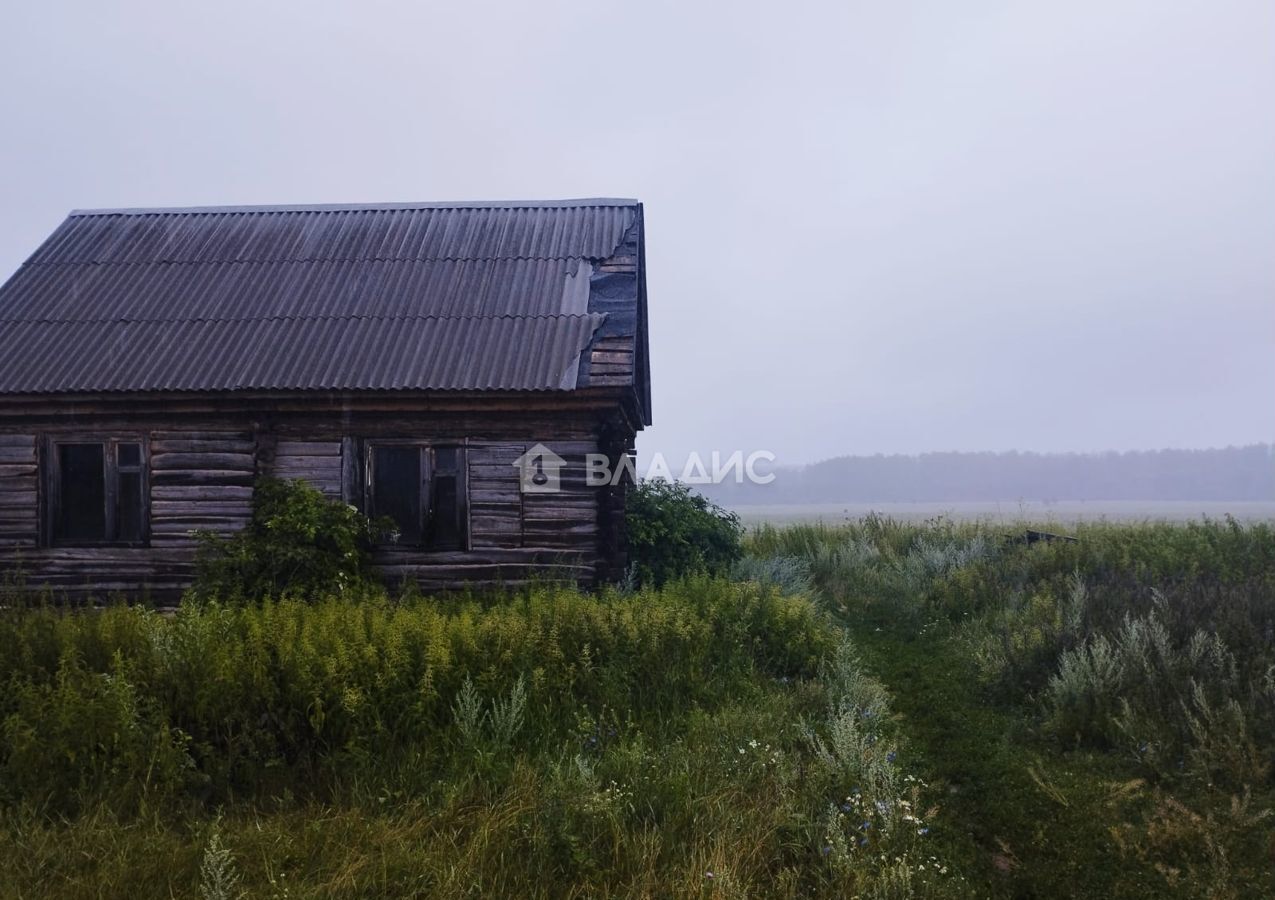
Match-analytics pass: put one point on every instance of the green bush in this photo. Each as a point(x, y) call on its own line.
point(674, 531)
point(299, 542)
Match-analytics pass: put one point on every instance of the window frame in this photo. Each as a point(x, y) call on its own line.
point(428, 471)
point(51, 482)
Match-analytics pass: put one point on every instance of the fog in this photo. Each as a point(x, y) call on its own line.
point(871, 228)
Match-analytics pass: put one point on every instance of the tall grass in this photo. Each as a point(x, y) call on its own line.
point(1157, 639)
point(1151, 644)
point(710, 738)
point(219, 699)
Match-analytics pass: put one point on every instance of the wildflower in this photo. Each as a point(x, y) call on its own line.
point(866, 825)
point(863, 842)
point(827, 848)
point(923, 831)
point(846, 807)
point(708, 874)
point(891, 756)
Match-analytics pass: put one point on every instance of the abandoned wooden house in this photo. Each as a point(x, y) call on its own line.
point(405, 358)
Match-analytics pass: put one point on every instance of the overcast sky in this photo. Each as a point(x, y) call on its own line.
point(871, 227)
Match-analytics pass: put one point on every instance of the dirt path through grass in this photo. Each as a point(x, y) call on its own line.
point(1028, 820)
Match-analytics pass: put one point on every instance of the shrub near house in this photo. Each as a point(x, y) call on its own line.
point(673, 530)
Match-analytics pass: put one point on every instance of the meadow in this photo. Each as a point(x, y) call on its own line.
point(875, 709)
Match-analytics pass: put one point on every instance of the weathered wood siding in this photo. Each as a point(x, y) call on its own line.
point(199, 481)
point(514, 537)
point(495, 501)
point(19, 485)
point(611, 361)
point(568, 519)
point(316, 462)
point(202, 468)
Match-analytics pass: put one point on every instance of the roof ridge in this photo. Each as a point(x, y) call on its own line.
point(358, 207)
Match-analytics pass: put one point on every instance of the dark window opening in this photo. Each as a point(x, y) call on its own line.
point(396, 490)
point(98, 492)
point(422, 489)
point(82, 513)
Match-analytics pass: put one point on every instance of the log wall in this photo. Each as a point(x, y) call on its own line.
point(19, 482)
point(201, 472)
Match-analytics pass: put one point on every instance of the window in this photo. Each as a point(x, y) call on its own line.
point(422, 489)
point(97, 492)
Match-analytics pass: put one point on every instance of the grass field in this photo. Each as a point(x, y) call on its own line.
point(875, 709)
point(1061, 513)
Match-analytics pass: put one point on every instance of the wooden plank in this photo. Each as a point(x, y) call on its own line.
point(611, 358)
point(313, 477)
point(19, 499)
point(308, 448)
point(316, 462)
point(181, 477)
point(533, 530)
point(231, 462)
point(351, 475)
point(505, 495)
point(486, 524)
point(195, 435)
point(18, 514)
point(216, 526)
point(209, 492)
point(191, 446)
point(495, 477)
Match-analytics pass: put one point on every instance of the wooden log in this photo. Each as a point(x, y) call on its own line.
point(208, 492)
point(229, 462)
point(204, 446)
point(490, 525)
point(196, 435)
point(331, 463)
point(191, 479)
point(308, 448)
point(611, 357)
point(160, 508)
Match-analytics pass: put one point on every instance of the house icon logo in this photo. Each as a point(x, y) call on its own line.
point(539, 471)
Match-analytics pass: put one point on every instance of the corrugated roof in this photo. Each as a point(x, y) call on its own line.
point(403, 296)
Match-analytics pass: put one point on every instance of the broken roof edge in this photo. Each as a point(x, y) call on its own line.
point(581, 202)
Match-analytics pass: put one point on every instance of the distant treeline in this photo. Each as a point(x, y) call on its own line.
point(1233, 473)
